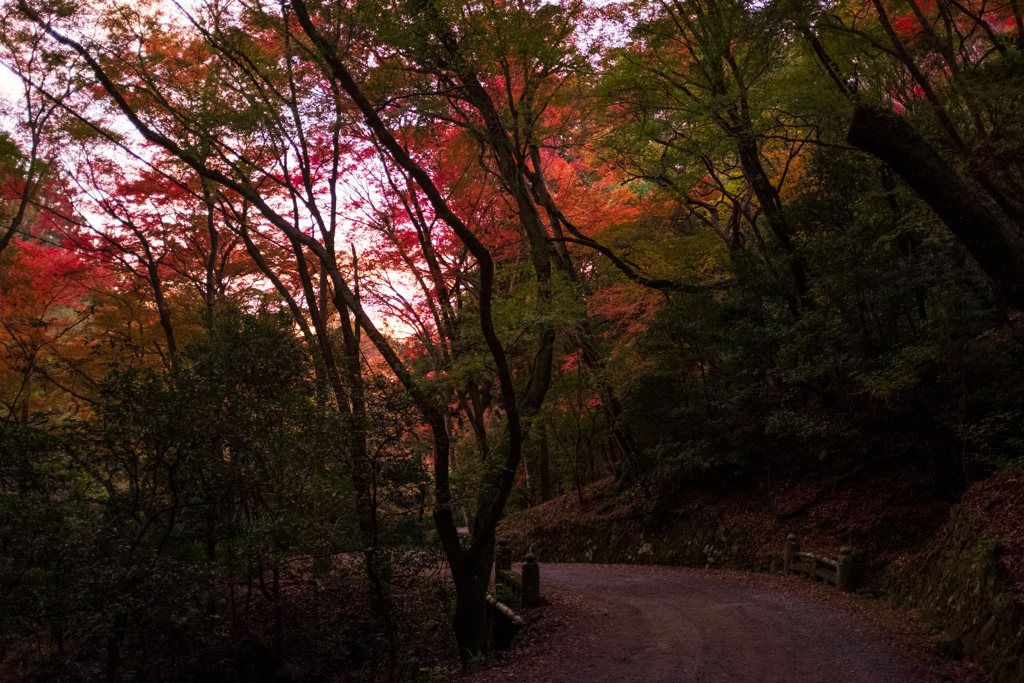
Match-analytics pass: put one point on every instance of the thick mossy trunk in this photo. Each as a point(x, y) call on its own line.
point(472, 578)
point(990, 237)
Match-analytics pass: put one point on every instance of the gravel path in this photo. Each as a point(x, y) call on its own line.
point(662, 628)
point(660, 625)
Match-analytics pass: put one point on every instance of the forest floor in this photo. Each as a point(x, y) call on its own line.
point(671, 624)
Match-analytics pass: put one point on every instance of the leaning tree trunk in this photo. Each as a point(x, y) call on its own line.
point(988, 235)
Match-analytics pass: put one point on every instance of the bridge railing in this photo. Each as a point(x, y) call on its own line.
point(525, 586)
point(843, 572)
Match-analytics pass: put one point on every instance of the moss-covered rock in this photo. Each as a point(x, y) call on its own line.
point(963, 588)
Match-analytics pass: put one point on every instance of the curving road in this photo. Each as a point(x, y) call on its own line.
point(673, 627)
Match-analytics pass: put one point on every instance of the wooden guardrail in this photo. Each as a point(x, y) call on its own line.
point(506, 611)
point(525, 586)
point(504, 622)
point(844, 572)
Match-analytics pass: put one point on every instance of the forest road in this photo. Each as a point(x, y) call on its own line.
point(676, 627)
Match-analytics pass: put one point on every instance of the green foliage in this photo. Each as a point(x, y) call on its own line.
point(506, 594)
point(170, 509)
point(11, 157)
point(893, 301)
point(476, 660)
point(996, 440)
point(467, 474)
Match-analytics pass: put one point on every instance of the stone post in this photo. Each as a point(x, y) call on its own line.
point(531, 581)
point(848, 572)
point(502, 560)
point(791, 549)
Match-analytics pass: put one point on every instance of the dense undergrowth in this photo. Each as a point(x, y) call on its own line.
point(198, 525)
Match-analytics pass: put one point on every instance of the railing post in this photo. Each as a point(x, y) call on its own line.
point(790, 551)
point(531, 581)
point(848, 572)
point(502, 560)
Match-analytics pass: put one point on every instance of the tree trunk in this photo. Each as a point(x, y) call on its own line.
point(544, 464)
point(114, 640)
point(768, 197)
point(988, 235)
point(472, 577)
point(383, 607)
point(278, 619)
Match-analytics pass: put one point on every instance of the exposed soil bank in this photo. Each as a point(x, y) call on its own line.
point(960, 566)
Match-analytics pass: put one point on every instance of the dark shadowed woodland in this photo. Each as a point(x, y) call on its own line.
point(290, 293)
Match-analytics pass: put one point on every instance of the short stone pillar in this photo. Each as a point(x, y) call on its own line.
point(848, 570)
point(531, 581)
point(790, 551)
point(502, 560)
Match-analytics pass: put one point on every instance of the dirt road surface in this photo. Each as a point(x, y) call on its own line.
point(660, 625)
